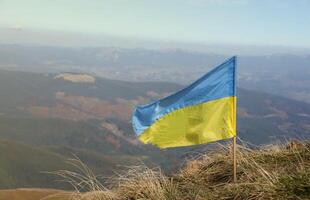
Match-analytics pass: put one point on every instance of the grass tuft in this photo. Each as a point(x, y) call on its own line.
point(273, 172)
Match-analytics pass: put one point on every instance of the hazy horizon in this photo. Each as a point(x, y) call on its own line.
point(214, 26)
point(11, 36)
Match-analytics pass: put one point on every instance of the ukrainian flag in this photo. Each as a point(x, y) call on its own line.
point(203, 112)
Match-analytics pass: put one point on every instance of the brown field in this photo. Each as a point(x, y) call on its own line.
point(84, 78)
point(33, 194)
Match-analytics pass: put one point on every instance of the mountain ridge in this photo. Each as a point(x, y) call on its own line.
point(93, 119)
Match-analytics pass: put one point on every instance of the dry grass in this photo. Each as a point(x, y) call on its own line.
point(30, 194)
point(274, 172)
point(141, 182)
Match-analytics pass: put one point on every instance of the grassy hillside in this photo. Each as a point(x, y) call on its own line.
point(273, 172)
point(49, 132)
point(26, 166)
point(22, 165)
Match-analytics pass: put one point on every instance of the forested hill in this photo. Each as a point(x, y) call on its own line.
point(61, 115)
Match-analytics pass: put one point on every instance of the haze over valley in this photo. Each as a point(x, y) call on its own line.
point(280, 74)
point(49, 117)
point(73, 74)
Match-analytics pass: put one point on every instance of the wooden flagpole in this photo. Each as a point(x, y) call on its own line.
point(234, 147)
point(234, 139)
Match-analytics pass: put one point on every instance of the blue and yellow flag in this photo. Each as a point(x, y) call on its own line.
point(203, 112)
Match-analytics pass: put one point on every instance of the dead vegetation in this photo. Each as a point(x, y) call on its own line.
point(76, 78)
point(28, 194)
point(273, 172)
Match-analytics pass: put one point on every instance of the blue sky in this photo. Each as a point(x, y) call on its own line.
point(240, 22)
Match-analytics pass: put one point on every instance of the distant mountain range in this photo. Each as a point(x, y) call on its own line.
point(280, 74)
point(49, 117)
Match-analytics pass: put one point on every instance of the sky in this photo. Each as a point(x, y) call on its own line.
point(231, 22)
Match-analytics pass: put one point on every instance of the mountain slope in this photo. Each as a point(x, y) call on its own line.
point(62, 118)
point(42, 109)
point(263, 117)
point(49, 132)
point(23, 165)
point(102, 109)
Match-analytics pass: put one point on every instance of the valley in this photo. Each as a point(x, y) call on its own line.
point(45, 121)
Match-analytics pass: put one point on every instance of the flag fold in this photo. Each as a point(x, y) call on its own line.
point(203, 112)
